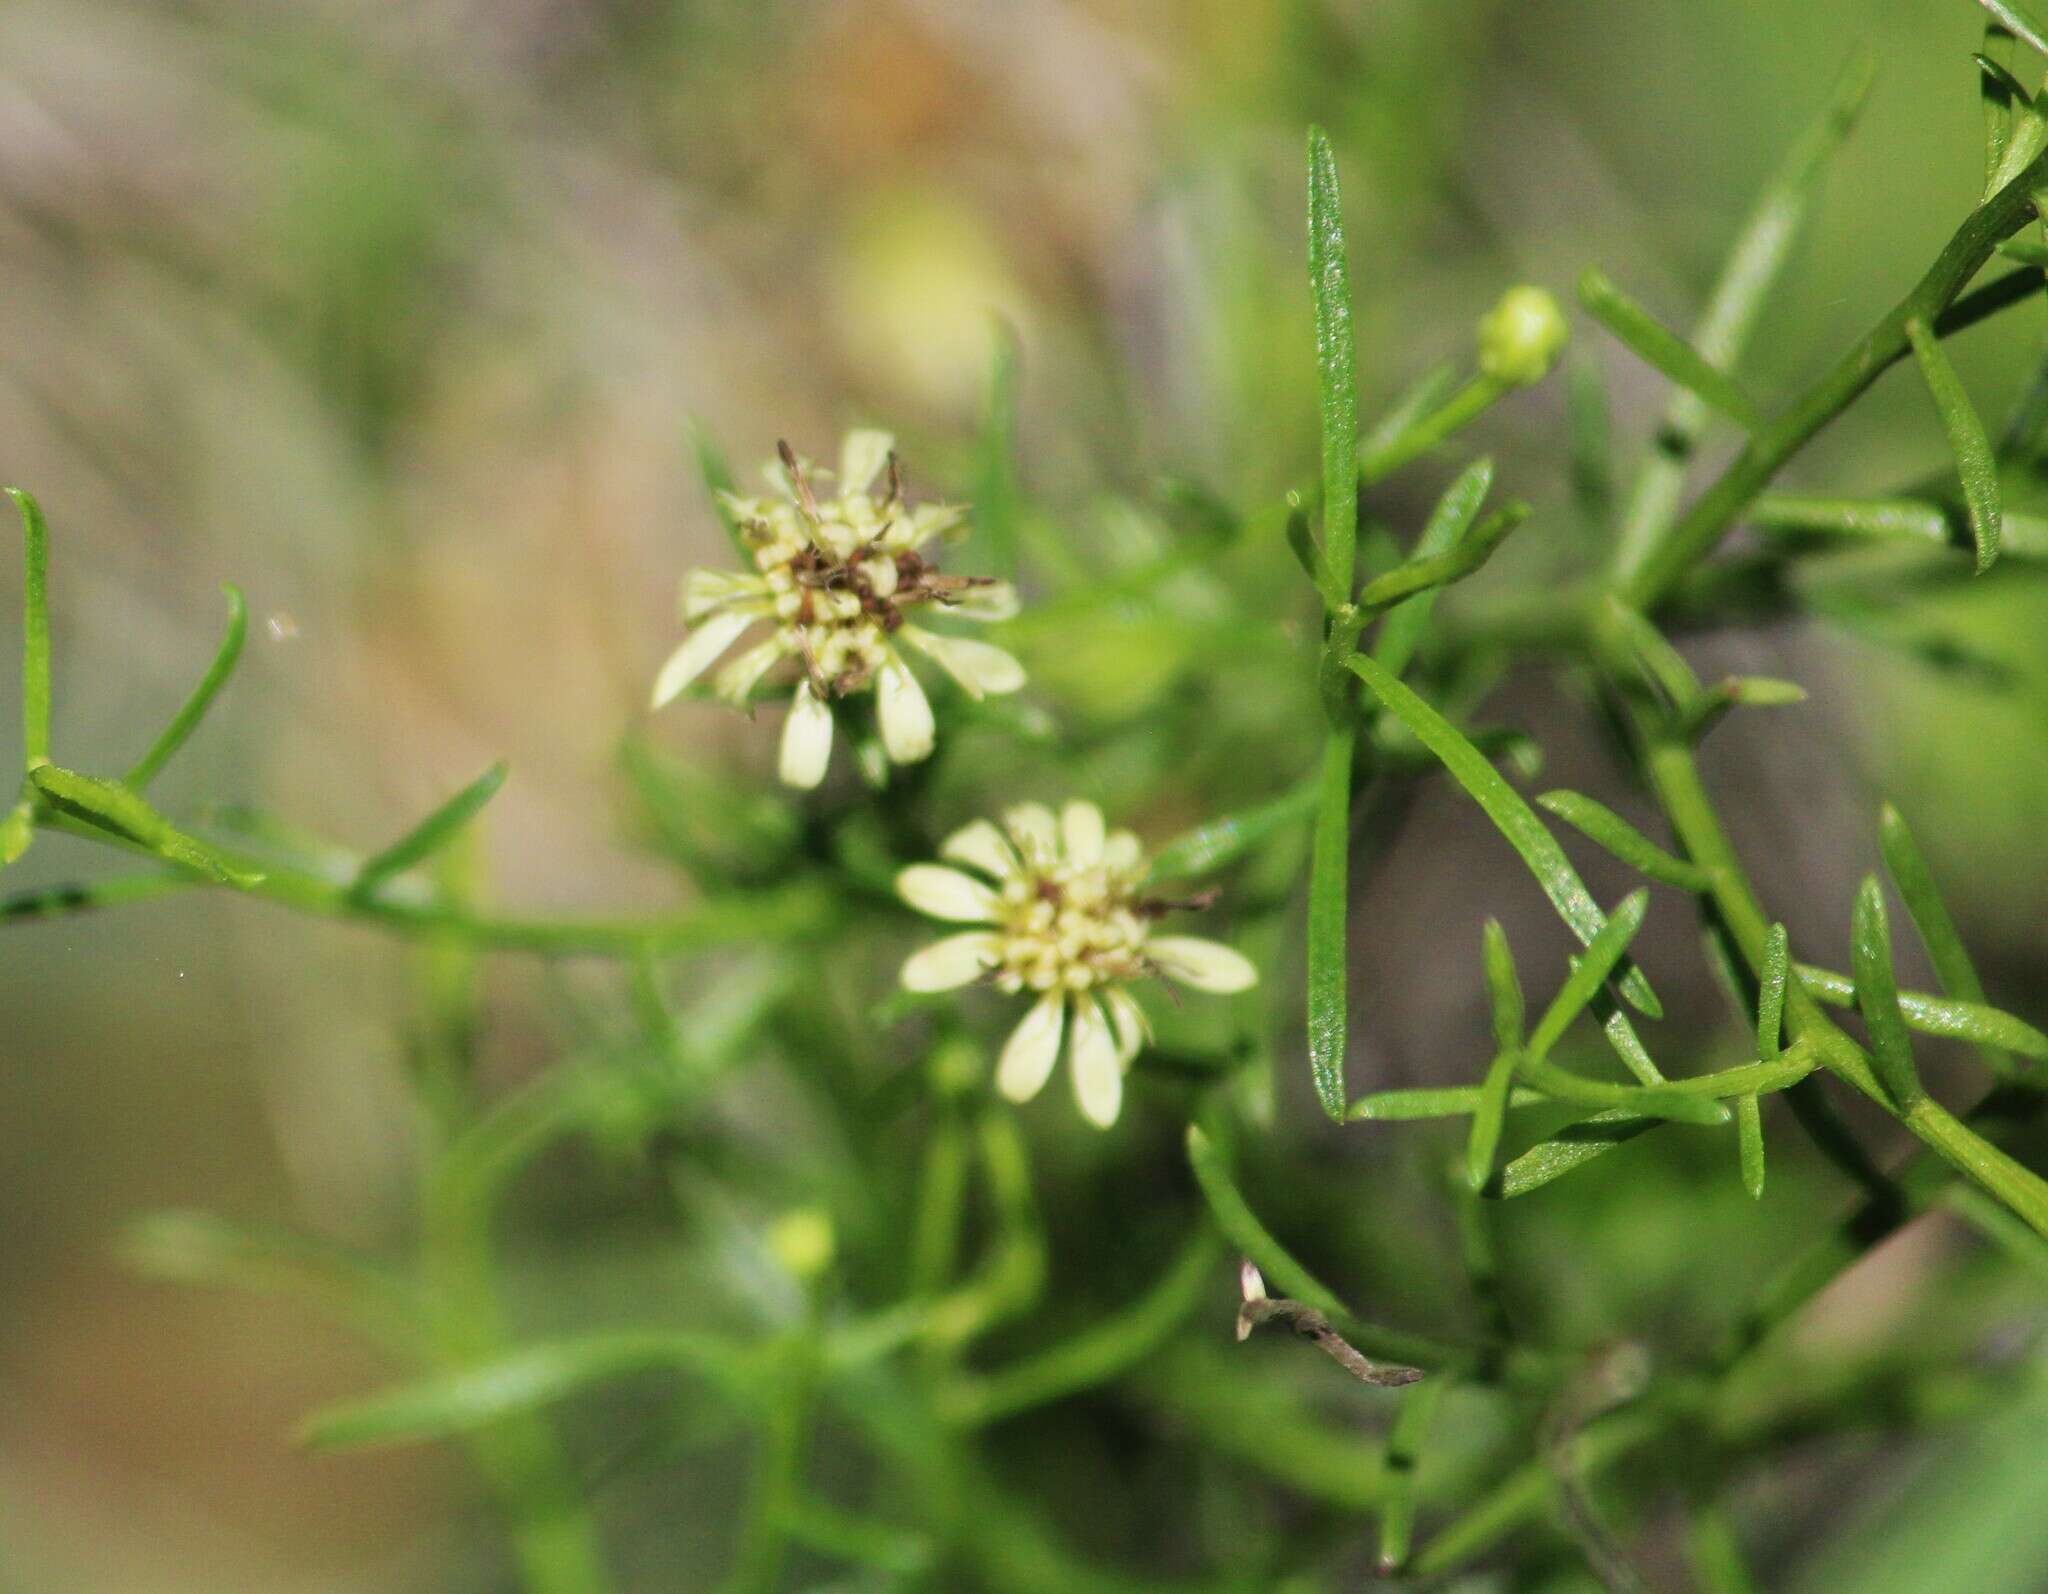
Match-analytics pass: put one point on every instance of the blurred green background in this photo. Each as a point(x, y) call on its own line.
point(395, 314)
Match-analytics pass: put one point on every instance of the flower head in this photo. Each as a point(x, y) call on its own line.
point(836, 578)
point(1064, 916)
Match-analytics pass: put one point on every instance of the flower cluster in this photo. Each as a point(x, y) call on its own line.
point(1064, 913)
point(836, 577)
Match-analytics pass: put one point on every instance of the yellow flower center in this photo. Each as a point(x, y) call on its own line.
point(1071, 928)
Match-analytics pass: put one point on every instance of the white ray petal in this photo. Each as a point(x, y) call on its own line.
point(1123, 852)
point(981, 846)
point(1205, 965)
point(906, 715)
point(705, 590)
point(1032, 1049)
point(1036, 832)
point(738, 679)
point(925, 522)
point(979, 667)
point(1081, 834)
point(1098, 1070)
point(957, 960)
point(993, 600)
point(945, 893)
point(1133, 1029)
point(691, 660)
point(806, 740)
point(862, 454)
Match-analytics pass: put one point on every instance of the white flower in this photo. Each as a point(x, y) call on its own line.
point(835, 579)
point(1061, 899)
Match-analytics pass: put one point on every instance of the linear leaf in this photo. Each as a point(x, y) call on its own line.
point(1755, 262)
point(1503, 989)
point(1487, 1116)
point(1301, 543)
point(1427, 574)
point(1409, 1106)
point(1749, 1143)
point(1600, 824)
point(1877, 997)
point(35, 630)
point(1736, 691)
point(1907, 866)
point(1337, 379)
point(1589, 973)
point(1402, 629)
point(1997, 90)
point(1770, 1000)
point(475, 1397)
point(1510, 814)
point(1421, 398)
point(1906, 518)
point(187, 719)
point(1967, 439)
point(1936, 1015)
point(431, 834)
point(1567, 1149)
point(1329, 900)
point(1649, 1101)
point(1221, 842)
point(1658, 346)
point(2018, 23)
point(107, 805)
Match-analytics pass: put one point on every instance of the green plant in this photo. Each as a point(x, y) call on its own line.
point(887, 1284)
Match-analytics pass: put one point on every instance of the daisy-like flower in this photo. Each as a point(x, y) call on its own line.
point(836, 578)
point(1064, 915)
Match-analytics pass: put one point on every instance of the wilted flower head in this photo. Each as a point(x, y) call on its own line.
point(837, 577)
point(1067, 918)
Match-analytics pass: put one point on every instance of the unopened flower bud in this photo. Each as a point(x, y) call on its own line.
point(1521, 337)
point(803, 1242)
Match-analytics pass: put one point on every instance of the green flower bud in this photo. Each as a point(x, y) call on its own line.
point(803, 1242)
point(1521, 337)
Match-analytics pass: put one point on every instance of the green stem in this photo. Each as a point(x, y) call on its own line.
point(1960, 260)
point(1461, 409)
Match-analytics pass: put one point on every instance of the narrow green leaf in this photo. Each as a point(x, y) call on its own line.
point(523, 1382)
point(1410, 1106)
point(1749, 1142)
point(1221, 842)
point(1488, 1114)
point(431, 834)
point(1736, 691)
point(1998, 91)
point(1754, 264)
point(1337, 380)
point(1503, 988)
point(1660, 666)
point(1441, 570)
point(1661, 348)
point(1851, 517)
point(1935, 1015)
point(1907, 866)
point(1569, 1148)
point(1649, 1101)
point(846, 1536)
point(1877, 997)
point(35, 630)
point(1302, 543)
point(2027, 251)
point(2018, 23)
point(1329, 901)
point(1603, 826)
point(17, 830)
point(1510, 814)
point(110, 806)
point(1404, 1452)
point(1770, 1001)
point(1967, 439)
point(717, 477)
point(187, 719)
point(1588, 974)
point(1402, 630)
